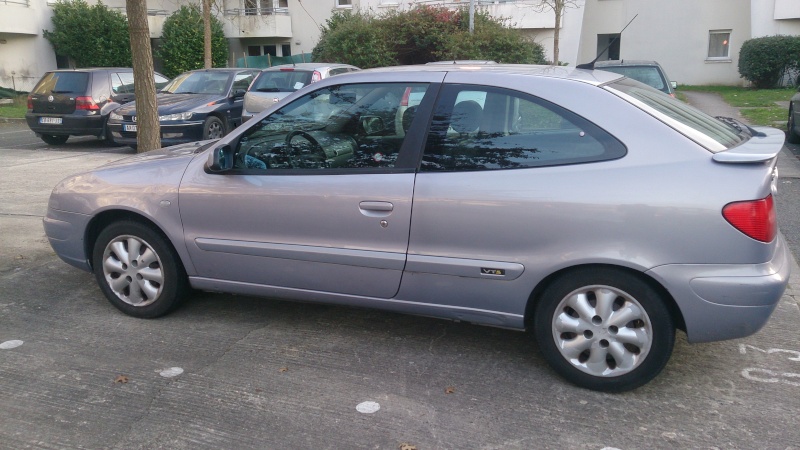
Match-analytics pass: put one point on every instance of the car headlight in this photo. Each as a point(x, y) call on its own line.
point(115, 116)
point(177, 116)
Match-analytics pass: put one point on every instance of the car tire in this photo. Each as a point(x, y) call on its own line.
point(791, 135)
point(54, 139)
point(138, 270)
point(213, 128)
point(107, 136)
point(604, 329)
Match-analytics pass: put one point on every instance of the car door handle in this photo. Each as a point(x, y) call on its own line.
point(376, 209)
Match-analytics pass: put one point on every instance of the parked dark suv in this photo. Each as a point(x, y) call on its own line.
point(68, 103)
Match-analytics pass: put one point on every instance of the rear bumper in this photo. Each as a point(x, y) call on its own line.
point(74, 125)
point(726, 301)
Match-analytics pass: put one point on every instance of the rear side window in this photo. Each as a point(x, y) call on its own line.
point(122, 82)
point(707, 131)
point(281, 81)
point(479, 128)
point(62, 83)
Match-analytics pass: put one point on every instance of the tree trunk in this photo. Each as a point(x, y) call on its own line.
point(207, 34)
point(558, 8)
point(148, 136)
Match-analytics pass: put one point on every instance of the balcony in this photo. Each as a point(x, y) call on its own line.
point(17, 17)
point(257, 23)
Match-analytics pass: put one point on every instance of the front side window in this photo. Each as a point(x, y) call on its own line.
point(242, 81)
point(338, 127)
point(492, 128)
point(719, 44)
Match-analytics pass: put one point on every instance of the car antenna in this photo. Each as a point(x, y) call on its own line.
point(590, 65)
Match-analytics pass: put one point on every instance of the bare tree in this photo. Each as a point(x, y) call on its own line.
point(558, 7)
point(148, 136)
point(207, 34)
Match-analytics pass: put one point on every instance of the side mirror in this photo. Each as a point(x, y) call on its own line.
point(239, 93)
point(674, 84)
point(221, 159)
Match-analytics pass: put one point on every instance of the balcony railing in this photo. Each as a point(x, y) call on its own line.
point(257, 12)
point(16, 2)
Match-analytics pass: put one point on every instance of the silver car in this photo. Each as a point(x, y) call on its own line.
point(275, 83)
point(585, 206)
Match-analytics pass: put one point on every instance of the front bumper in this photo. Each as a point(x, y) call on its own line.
point(171, 133)
point(66, 233)
point(726, 301)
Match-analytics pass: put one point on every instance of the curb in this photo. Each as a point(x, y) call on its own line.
point(12, 120)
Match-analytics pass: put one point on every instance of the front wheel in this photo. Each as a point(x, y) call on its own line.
point(604, 329)
point(213, 128)
point(791, 135)
point(138, 270)
point(54, 139)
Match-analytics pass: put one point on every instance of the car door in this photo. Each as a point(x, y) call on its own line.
point(241, 81)
point(319, 198)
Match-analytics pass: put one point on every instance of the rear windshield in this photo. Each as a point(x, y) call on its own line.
point(648, 75)
point(62, 83)
point(711, 133)
point(281, 81)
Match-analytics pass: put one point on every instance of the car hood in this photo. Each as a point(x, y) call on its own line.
point(139, 182)
point(174, 103)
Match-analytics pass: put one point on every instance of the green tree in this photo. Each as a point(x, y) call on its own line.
point(91, 36)
point(421, 35)
point(182, 42)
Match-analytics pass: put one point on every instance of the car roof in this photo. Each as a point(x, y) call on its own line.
point(306, 66)
point(224, 69)
point(562, 72)
point(93, 69)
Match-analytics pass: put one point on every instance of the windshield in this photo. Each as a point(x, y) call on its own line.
point(199, 83)
point(281, 81)
point(711, 133)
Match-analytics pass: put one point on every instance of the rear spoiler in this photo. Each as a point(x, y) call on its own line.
point(764, 146)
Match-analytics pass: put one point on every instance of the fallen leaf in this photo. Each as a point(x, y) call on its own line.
point(19, 257)
point(121, 379)
point(259, 390)
point(450, 390)
point(405, 446)
point(283, 369)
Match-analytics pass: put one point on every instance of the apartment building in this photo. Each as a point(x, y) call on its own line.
point(697, 41)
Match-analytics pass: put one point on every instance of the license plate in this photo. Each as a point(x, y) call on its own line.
point(129, 128)
point(50, 120)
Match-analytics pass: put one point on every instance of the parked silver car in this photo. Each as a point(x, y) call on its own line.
point(275, 83)
point(580, 204)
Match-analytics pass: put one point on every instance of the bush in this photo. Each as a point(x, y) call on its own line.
point(421, 35)
point(181, 47)
point(764, 61)
point(91, 36)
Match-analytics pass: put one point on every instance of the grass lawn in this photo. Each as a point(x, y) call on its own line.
point(758, 105)
point(16, 109)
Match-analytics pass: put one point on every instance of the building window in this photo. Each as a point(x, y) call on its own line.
point(253, 50)
point(719, 44)
point(283, 3)
point(286, 49)
point(344, 3)
point(609, 45)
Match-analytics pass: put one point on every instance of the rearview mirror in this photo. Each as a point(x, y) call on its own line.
point(372, 125)
point(221, 159)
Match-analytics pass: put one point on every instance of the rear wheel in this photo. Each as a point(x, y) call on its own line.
point(138, 270)
point(213, 128)
point(54, 139)
point(604, 329)
point(791, 135)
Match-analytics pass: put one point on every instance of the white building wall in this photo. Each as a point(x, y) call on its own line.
point(674, 34)
point(24, 52)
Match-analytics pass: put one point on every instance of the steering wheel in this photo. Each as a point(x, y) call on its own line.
point(315, 156)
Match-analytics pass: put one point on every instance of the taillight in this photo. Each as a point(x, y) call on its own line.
point(406, 94)
point(30, 102)
point(86, 103)
point(316, 76)
point(755, 218)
